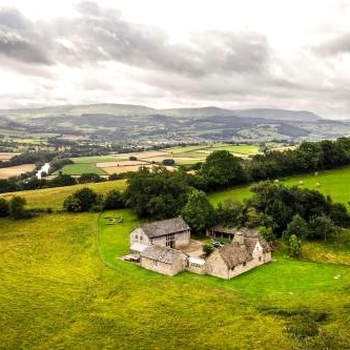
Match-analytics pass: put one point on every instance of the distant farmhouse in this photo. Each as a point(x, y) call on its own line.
point(166, 247)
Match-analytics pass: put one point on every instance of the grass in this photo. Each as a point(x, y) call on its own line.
point(97, 159)
point(57, 293)
point(54, 197)
point(82, 168)
point(332, 182)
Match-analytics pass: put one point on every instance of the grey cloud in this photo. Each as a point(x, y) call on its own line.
point(19, 39)
point(336, 46)
point(99, 34)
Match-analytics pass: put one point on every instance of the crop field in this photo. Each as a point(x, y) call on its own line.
point(15, 170)
point(82, 168)
point(4, 156)
point(182, 155)
point(64, 287)
point(331, 182)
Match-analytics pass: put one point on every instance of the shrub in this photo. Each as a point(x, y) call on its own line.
point(17, 208)
point(294, 247)
point(81, 200)
point(114, 200)
point(90, 177)
point(4, 207)
point(168, 162)
point(208, 249)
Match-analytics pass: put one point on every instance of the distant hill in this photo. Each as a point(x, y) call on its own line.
point(138, 110)
point(122, 122)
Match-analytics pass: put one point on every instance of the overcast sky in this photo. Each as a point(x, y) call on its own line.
point(162, 53)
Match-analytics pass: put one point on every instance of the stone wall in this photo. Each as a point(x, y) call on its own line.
point(138, 236)
point(165, 269)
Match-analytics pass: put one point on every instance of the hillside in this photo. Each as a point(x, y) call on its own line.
point(132, 123)
point(64, 286)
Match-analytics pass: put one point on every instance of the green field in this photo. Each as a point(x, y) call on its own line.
point(332, 182)
point(63, 287)
point(82, 168)
point(54, 197)
point(98, 159)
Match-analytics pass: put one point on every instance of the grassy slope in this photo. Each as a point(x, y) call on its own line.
point(56, 293)
point(54, 197)
point(332, 182)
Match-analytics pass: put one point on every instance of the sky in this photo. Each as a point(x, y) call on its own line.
point(185, 53)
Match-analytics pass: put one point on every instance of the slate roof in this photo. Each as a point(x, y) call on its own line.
point(234, 254)
point(162, 254)
point(250, 243)
point(164, 227)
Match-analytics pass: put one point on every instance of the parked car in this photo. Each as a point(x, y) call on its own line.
point(217, 244)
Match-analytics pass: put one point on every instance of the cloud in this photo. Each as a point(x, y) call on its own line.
point(336, 46)
point(20, 40)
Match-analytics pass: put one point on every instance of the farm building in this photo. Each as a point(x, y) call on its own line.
point(241, 255)
point(162, 259)
point(163, 247)
point(172, 233)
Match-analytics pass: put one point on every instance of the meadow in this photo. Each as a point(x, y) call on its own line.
point(334, 183)
point(63, 286)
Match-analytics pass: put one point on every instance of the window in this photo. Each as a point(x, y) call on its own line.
point(244, 264)
point(170, 240)
point(141, 238)
point(259, 258)
point(136, 237)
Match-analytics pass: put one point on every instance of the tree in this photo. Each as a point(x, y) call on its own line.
point(4, 207)
point(90, 177)
point(81, 200)
point(159, 194)
point(198, 212)
point(17, 208)
point(114, 200)
point(230, 213)
point(267, 234)
point(297, 227)
point(168, 162)
point(322, 227)
point(221, 169)
point(294, 246)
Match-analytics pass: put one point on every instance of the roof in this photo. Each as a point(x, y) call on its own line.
point(234, 254)
point(224, 229)
point(164, 227)
point(138, 247)
point(250, 243)
point(162, 254)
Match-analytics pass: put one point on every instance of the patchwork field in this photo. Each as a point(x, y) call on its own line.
point(182, 155)
point(4, 156)
point(15, 170)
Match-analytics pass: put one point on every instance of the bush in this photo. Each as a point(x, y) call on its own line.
point(4, 207)
point(297, 227)
point(208, 249)
point(17, 208)
point(322, 227)
point(114, 200)
point(90, 177)
point(168, 162)
point(294, 247)
point(81, 200)
point(267, 233)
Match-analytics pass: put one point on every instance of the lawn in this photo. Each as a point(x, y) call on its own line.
point(54, 197)
point(331, 182)
point(82, 168)
point(57, 293)
point(98, 159)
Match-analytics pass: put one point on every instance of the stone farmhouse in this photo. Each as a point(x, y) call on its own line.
point(166, 247)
